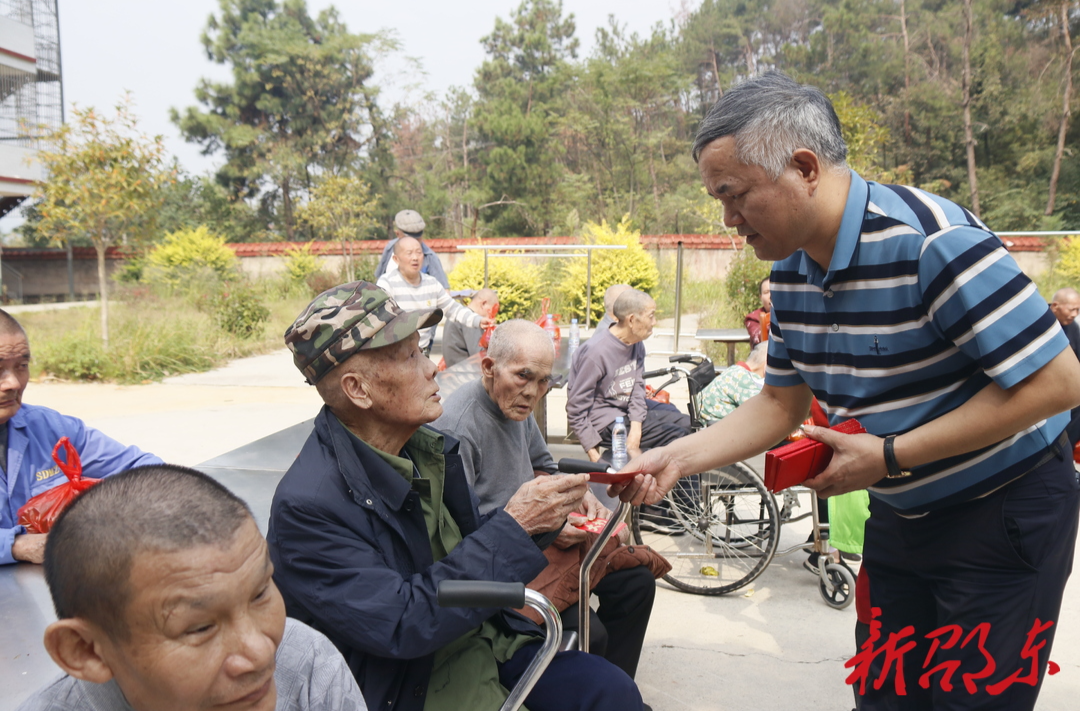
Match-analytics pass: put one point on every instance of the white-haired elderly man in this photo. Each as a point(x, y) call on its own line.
point(502, 449)
point(606, 381)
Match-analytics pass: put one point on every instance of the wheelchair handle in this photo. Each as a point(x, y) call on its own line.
point(684, 358)
point(484, 593)
point(655, 373)
point(580, 466)
point(481, 593)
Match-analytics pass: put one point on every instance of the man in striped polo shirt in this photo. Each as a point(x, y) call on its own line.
point(415, 291)
point(903, 310)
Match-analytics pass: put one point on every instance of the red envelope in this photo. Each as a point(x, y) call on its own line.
point(794, 463)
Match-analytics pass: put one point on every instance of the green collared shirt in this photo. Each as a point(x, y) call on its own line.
point(465, 674)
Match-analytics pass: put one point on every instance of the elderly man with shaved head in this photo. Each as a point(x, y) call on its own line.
point(502, 449)
point(415, 291)
point(459, 341)
point(1066, 307)
point(606, 381)
point(162, 585)
point(612, 293)
point(28, 434)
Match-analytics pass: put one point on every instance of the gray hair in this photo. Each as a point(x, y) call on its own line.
point(631, 301)
point(9, 325)
point(612, 294)
point(770, 118)
point(91, 548)
point(758, 354)
point(1065, 294)
point(510, 338)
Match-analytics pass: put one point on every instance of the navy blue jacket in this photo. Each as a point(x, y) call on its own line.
point(352, 558)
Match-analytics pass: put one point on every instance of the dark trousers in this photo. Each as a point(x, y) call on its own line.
point(617, 627)
point(661, 426)
point(574, 681)
point(991, 566)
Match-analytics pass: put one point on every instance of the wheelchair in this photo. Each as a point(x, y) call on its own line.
point(721, 529)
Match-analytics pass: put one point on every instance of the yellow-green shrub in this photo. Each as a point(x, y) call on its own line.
point(519, 284)
point(1068, 264)
point(633, 266)
point(300, 263)
point(185, 251)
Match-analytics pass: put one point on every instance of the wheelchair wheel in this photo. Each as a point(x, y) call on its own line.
point(839, 589)
point(718, 529)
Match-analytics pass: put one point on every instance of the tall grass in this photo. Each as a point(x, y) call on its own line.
point(151, 337)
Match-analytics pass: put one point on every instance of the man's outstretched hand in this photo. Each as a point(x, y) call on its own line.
point(660, 472)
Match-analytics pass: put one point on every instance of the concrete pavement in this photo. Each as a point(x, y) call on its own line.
point(774, 645)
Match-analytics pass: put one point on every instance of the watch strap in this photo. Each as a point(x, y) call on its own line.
point(891, 465)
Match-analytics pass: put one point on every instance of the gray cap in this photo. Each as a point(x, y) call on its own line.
point(409, 222)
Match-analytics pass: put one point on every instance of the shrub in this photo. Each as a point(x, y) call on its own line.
point(321, 280)
point(238, 310)
point(633, 266)
point(185, 251)
point(300, 263)
point(741, 283)
point(74, 356)
point(1068, 265)
point(519, 284)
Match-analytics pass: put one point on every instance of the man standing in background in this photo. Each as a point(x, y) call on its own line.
point(408, 223)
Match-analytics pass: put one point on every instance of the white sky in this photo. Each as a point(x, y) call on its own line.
point(151, 47)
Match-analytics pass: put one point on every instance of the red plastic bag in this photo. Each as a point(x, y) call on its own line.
point(542, 322)
point(40, 513)
point(485, 337)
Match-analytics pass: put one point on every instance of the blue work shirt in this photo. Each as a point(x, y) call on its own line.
point(32, 434)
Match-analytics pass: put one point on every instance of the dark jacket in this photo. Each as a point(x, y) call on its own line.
point(352, 558)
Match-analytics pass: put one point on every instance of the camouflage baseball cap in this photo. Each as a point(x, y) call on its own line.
point(346, 319)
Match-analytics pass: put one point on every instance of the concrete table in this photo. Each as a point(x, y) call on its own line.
point(730, 336)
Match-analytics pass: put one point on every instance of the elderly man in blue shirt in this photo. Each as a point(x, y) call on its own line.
point(28, 434)
point(902, 309)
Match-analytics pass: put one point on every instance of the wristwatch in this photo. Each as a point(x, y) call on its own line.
point(894, 470)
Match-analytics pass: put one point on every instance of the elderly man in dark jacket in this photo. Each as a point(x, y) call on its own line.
point(376, 511)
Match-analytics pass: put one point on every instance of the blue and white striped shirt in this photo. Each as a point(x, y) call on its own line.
point(922, 307)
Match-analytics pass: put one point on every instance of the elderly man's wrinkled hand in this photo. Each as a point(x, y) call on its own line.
point(660, 472)
point(858, 462)
point(29, 547)
point(592, 507)
point(570, 536)
point(542, 505)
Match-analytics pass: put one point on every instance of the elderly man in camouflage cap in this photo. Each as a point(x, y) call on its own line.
point(376, 511)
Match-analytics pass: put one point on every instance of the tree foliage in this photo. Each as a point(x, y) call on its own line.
point(341, 209)
point(632, 265)
point(105, 183)
point(546, 140)
point(300, 103)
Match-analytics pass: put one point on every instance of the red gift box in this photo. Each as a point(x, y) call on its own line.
point(794, 463)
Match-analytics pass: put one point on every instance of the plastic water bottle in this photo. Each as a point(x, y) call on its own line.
point(619, 457)
point(549, 326)
point(575, 338)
